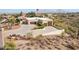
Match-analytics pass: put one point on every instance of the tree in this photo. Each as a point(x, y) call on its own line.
point(0, 18)
point(45, 15)
point(17, 21)
point(11, 21)
point(31, 14)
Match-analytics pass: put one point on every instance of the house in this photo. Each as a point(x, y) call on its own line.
point(34, 20)
point(45, 21)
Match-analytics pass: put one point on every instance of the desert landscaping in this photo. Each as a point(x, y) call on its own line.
point(44, 43)
point(39, 31)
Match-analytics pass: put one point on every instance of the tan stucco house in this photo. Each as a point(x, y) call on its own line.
point(34, 20)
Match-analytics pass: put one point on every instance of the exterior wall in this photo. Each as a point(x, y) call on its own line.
point(21, 23)
point(29, 22)
point(44, 21)
point(1, 38)
point(58, 32)
point(47, 22)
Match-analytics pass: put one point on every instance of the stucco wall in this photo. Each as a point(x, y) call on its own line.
point(1, 38)
point(58, 32)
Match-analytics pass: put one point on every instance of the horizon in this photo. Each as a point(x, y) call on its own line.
point(39, 10)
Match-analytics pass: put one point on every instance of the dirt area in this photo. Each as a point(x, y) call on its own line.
point(46, 43)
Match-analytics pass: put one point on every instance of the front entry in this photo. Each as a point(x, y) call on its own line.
point(49, 23)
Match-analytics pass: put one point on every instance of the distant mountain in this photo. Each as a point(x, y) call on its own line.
point(39, 10)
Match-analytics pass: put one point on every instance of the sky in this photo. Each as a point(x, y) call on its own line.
point(48, 6)
point(40, 4)
point(15, 10)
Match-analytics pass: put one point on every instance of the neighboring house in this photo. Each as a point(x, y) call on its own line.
point(4, 21)
point(23, 19)
point(5, 17)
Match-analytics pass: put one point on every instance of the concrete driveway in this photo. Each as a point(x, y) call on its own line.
point(21, 31)
point(24, 29)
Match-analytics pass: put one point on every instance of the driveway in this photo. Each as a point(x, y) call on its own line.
point(24, 29)
point(21, 31)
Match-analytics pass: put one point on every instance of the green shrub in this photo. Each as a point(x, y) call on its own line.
point(9, 46)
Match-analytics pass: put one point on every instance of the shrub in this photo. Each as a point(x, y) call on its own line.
point(9, 46)
point(29, 35)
